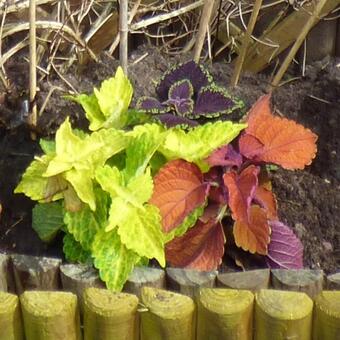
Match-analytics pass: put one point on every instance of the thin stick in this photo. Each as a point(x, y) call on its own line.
point(202, 30)
point(246, 41)
point(123, 34)
point(298, 42)
point(166, 16)
point(33, 65)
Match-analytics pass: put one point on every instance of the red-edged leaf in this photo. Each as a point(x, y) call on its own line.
point(201, 248)
point(225, 156)
point(285, 249)
point(217, 192)
point(266, 199)
point(253, 235)
point(272, 139)
point(178, 190)
point(241, 189)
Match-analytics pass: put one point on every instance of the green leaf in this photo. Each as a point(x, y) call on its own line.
point(141, 232)
point(33, 183)
point(114, 261)
point(114, 98)
point(47, 220)
point(48, 146)
point(85, 224)
point(146, 140)
point(197, 144)
point(73, 250)
point(188, 222)
point(92, 110)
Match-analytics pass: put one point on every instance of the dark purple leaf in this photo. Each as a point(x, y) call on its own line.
point(181, 90)
point(191, 71)
point(150, 104)
point(285, 250)
point(169, 120)
point(213, 102)
point(225, 156)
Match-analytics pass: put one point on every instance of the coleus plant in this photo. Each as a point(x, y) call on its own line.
point(187, 93)
point(96, 187)
point(234, 184)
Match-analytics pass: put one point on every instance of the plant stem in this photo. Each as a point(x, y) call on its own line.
point(246, 41)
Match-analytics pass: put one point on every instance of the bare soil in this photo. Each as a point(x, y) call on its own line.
point(309, 200)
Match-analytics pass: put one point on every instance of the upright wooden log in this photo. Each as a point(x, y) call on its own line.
point(302, 280)
point(10, 317)
point(76, 278)
point(32, 272)
point(333, 281)
point(144, 277)
point(167, 315)
point(252, 280)
point(50, 315)
point(326, 321)
point(109, 315)
point(188, 282)
point(225, 314)
point(283, 315)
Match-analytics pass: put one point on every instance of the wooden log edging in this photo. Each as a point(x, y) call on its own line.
point(198, 310)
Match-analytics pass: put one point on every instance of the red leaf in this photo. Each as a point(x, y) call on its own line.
point(241, 189)
point(276, 140)
point(266, 199)
point(201, 248)
point(253, 235)
point(178, 190)
point(217, 191)
point(225, 156)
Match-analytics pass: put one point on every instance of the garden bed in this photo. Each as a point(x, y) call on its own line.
point(309, 200)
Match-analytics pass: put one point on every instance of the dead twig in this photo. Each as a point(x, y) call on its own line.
point(239, 61)
point(123, 34)
point(202, 30)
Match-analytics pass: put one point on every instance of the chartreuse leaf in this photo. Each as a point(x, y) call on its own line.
point(146, 140)
point(92, 110)
point(141, 232)
point(73, 250)
point(47, 220)
point(188, 222)
point(139, 224)
point(197, 144)
point(114, 97)
point(77, 156)
point(113, 259)
point(85, 224)
point(33, 183)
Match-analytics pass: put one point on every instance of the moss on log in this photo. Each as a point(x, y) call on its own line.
point(167, 315)
point(326, 322)
point(283, 315)
point(225, 314)
point(50, 315)
point(109, 315)
point(10, 318)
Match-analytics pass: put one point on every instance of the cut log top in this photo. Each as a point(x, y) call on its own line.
point(284, 305)
point(165, 304)
point(106, 303)
point(225, 301)
point(48, 304)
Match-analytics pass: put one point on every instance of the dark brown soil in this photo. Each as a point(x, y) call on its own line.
point(309, 200)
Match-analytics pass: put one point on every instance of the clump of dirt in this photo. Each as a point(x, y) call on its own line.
point(309, 200)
